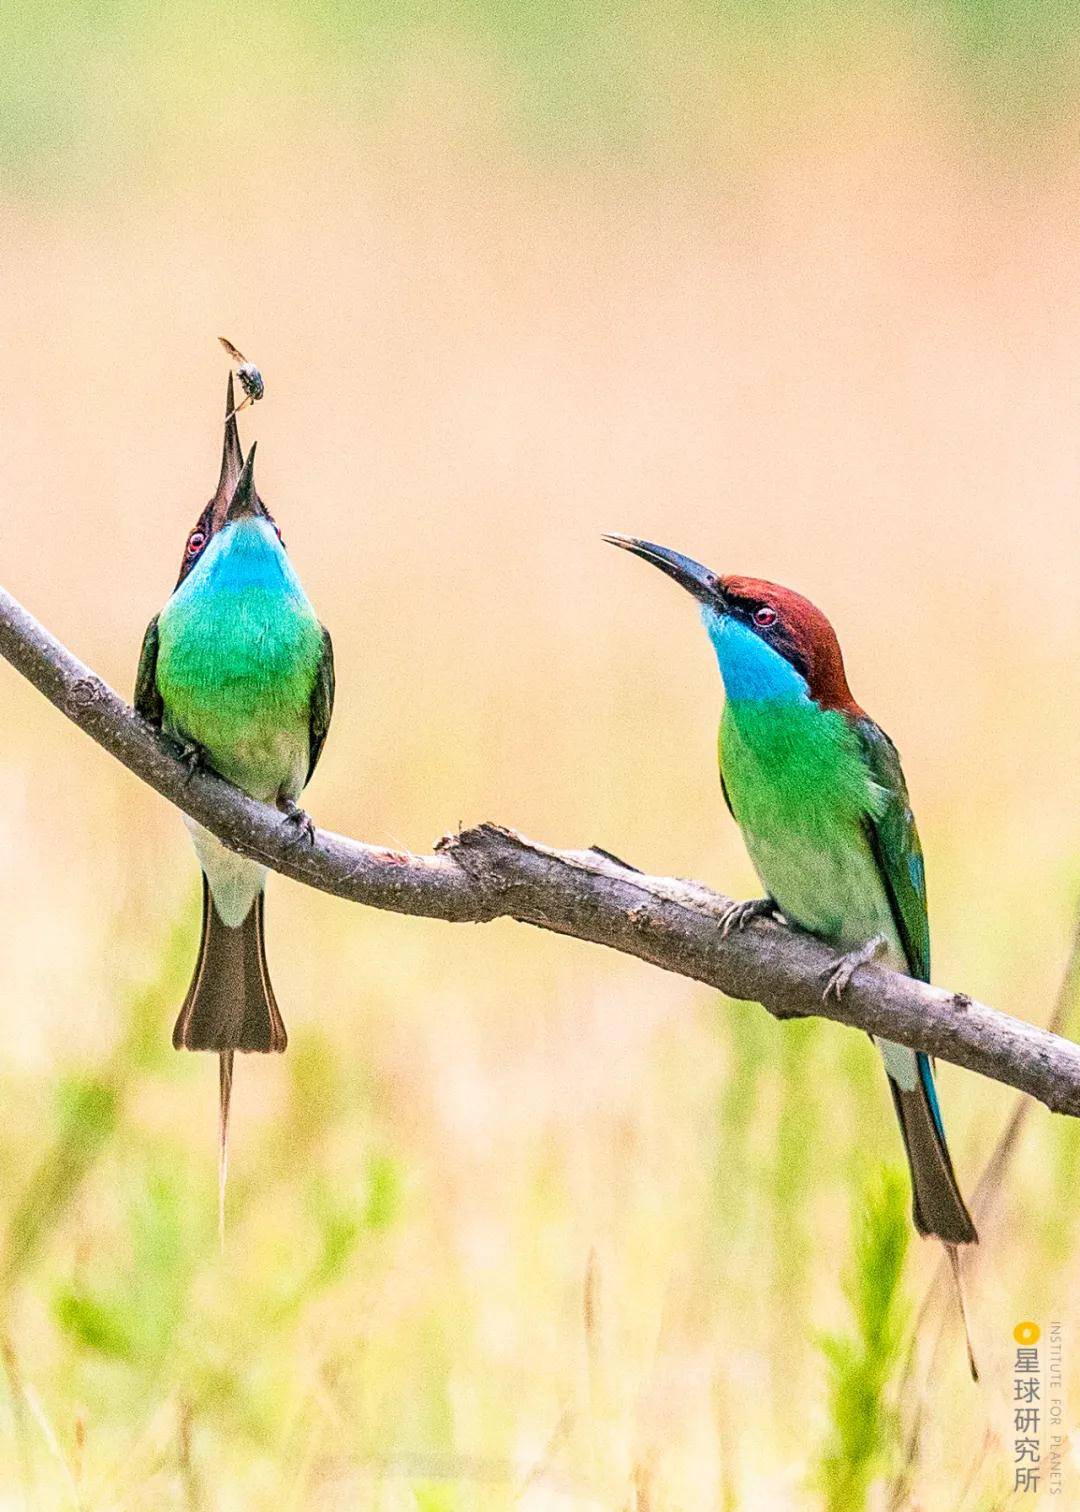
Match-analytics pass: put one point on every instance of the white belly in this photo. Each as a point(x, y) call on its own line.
point(234, 881)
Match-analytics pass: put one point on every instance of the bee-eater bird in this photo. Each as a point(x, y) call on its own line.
point(817, 790)
point(239, 672)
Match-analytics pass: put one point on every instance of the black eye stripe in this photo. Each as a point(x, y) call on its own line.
point(782, 642)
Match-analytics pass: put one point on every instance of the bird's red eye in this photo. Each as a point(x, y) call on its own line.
point(195, 542)
point(764, 616)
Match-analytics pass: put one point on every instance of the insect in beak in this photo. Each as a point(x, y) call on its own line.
point(251, 380)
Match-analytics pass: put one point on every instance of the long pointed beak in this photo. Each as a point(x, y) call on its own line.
point(232, 437)
point(245, 501)
point(691, 575)
point(232, 458)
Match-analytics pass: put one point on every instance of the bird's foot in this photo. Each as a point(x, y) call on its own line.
point(301, 821)
point(738, 915)
point(192, 754)
point(840, 975)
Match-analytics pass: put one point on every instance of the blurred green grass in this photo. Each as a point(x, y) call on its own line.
point(104, 96)
point(864, 1362)
point(514, 1223)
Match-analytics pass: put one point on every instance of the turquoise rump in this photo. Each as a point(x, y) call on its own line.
point(817, 790)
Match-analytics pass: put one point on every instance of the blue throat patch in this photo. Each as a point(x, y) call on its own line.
point(752, 671)
point(244, 554)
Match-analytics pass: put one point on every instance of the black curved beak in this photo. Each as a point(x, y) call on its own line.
point(691, 575)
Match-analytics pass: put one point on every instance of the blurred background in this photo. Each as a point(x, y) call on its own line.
point(794, 288)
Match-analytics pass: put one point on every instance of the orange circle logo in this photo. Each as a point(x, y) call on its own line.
point(1027, 1333)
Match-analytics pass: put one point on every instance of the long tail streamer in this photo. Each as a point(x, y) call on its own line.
point(225, 1080)
point(954, 1261)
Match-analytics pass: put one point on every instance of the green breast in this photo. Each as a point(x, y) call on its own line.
point(789, 763)
point(239, 650)
point(801, 792)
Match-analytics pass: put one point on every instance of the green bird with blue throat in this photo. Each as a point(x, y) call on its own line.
point(239, 672)
point(818, 793)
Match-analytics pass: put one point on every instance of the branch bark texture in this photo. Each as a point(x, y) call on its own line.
point(491, 872)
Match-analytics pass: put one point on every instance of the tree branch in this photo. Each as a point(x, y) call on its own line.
point(491, 873)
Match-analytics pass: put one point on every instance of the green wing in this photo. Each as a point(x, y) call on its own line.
point(322, 703)
point(147, 698)
point(894, 841)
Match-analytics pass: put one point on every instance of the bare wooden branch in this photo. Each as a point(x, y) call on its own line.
point(491, 873)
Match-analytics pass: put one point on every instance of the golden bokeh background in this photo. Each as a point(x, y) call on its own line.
point(517, 1222)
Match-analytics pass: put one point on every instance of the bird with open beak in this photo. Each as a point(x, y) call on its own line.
point(239, 672)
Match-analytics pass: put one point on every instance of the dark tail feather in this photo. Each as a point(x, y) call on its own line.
point(938, 1209)
point(230, 1004)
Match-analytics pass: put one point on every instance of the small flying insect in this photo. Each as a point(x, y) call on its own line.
point(251, 380)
